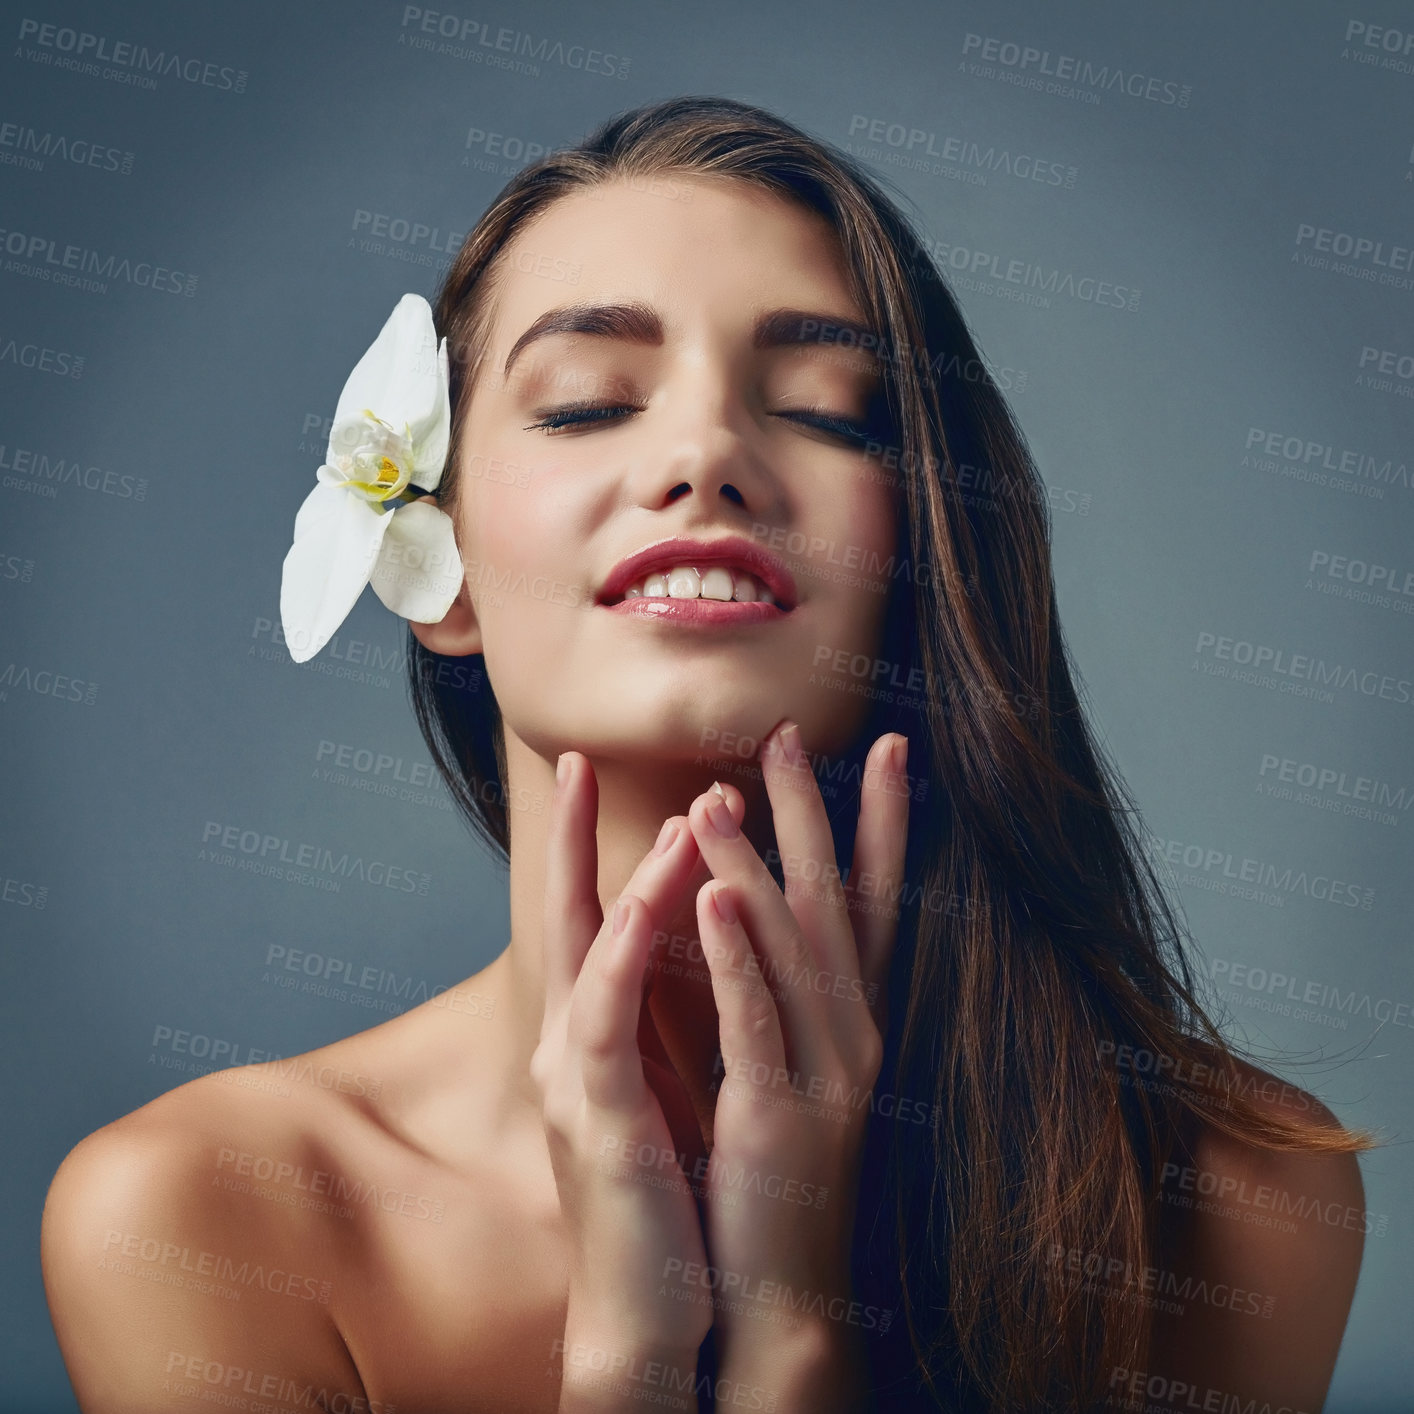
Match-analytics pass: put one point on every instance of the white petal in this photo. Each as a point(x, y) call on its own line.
point(318, 507)
point(419, 571)
point(401, 378)
point(337, 539)
point(429, 454)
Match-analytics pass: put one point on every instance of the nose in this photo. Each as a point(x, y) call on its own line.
point(699, 444)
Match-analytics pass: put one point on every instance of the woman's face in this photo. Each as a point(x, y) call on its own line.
point(714, 434)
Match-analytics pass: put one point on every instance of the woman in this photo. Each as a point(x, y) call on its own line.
point(729, 1125)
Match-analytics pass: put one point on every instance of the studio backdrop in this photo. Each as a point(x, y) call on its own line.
point(1184, 236)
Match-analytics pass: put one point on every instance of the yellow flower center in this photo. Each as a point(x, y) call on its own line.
point(378, 464)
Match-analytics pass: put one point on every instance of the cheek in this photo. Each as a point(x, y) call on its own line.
point(503, 540)
point(874, 510)
point(521, 571)
point(863, 523)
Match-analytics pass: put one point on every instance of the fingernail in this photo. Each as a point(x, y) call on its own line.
point(562, 770)
point(620, 915)
point(719, 815)
point(790, 740)
point(722, 902)
point(898, 754)
point(666, 836)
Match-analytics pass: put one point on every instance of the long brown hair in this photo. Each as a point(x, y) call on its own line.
point(1035, 940)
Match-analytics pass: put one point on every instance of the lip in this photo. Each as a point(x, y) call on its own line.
point(702, 613)
point(734, 551)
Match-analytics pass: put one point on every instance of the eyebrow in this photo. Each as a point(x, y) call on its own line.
point(639, 323)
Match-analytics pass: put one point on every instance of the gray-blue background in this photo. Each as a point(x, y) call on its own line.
point(1174, 530)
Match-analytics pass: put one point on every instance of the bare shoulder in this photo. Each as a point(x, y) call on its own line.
point(159, 1285)
point(1261, 1255)
point(1317, 1199)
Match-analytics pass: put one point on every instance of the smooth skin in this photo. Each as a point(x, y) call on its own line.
point(634, 1216)
point(486, 1240)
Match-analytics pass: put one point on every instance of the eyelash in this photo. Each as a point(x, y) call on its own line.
point(578, 414)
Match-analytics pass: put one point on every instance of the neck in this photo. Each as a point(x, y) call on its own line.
point(635, 797)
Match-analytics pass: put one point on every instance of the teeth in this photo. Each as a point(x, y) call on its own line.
point(684, 583)
point(717, 583)
point(687, 582)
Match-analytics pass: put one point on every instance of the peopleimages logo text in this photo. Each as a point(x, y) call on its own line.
point(464, 36)
point(44, 255)
point(1072, 68)
point(98, 48)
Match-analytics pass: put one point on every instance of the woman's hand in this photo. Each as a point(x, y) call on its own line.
point(627, 1204)
point(799, 981)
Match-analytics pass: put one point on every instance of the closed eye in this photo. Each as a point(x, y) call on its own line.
point(582, 414)
point(844, 427)
point(575, 414)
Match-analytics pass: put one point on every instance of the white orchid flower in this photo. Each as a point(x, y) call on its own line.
point(362, 523)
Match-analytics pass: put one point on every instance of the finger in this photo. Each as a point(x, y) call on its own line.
point(662, 876)
point(784, 956)
point(602, 1030)
point(807, 848)
point(749, 1025)
point(573, 915)
point(670, 1092)
point(876, 874)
